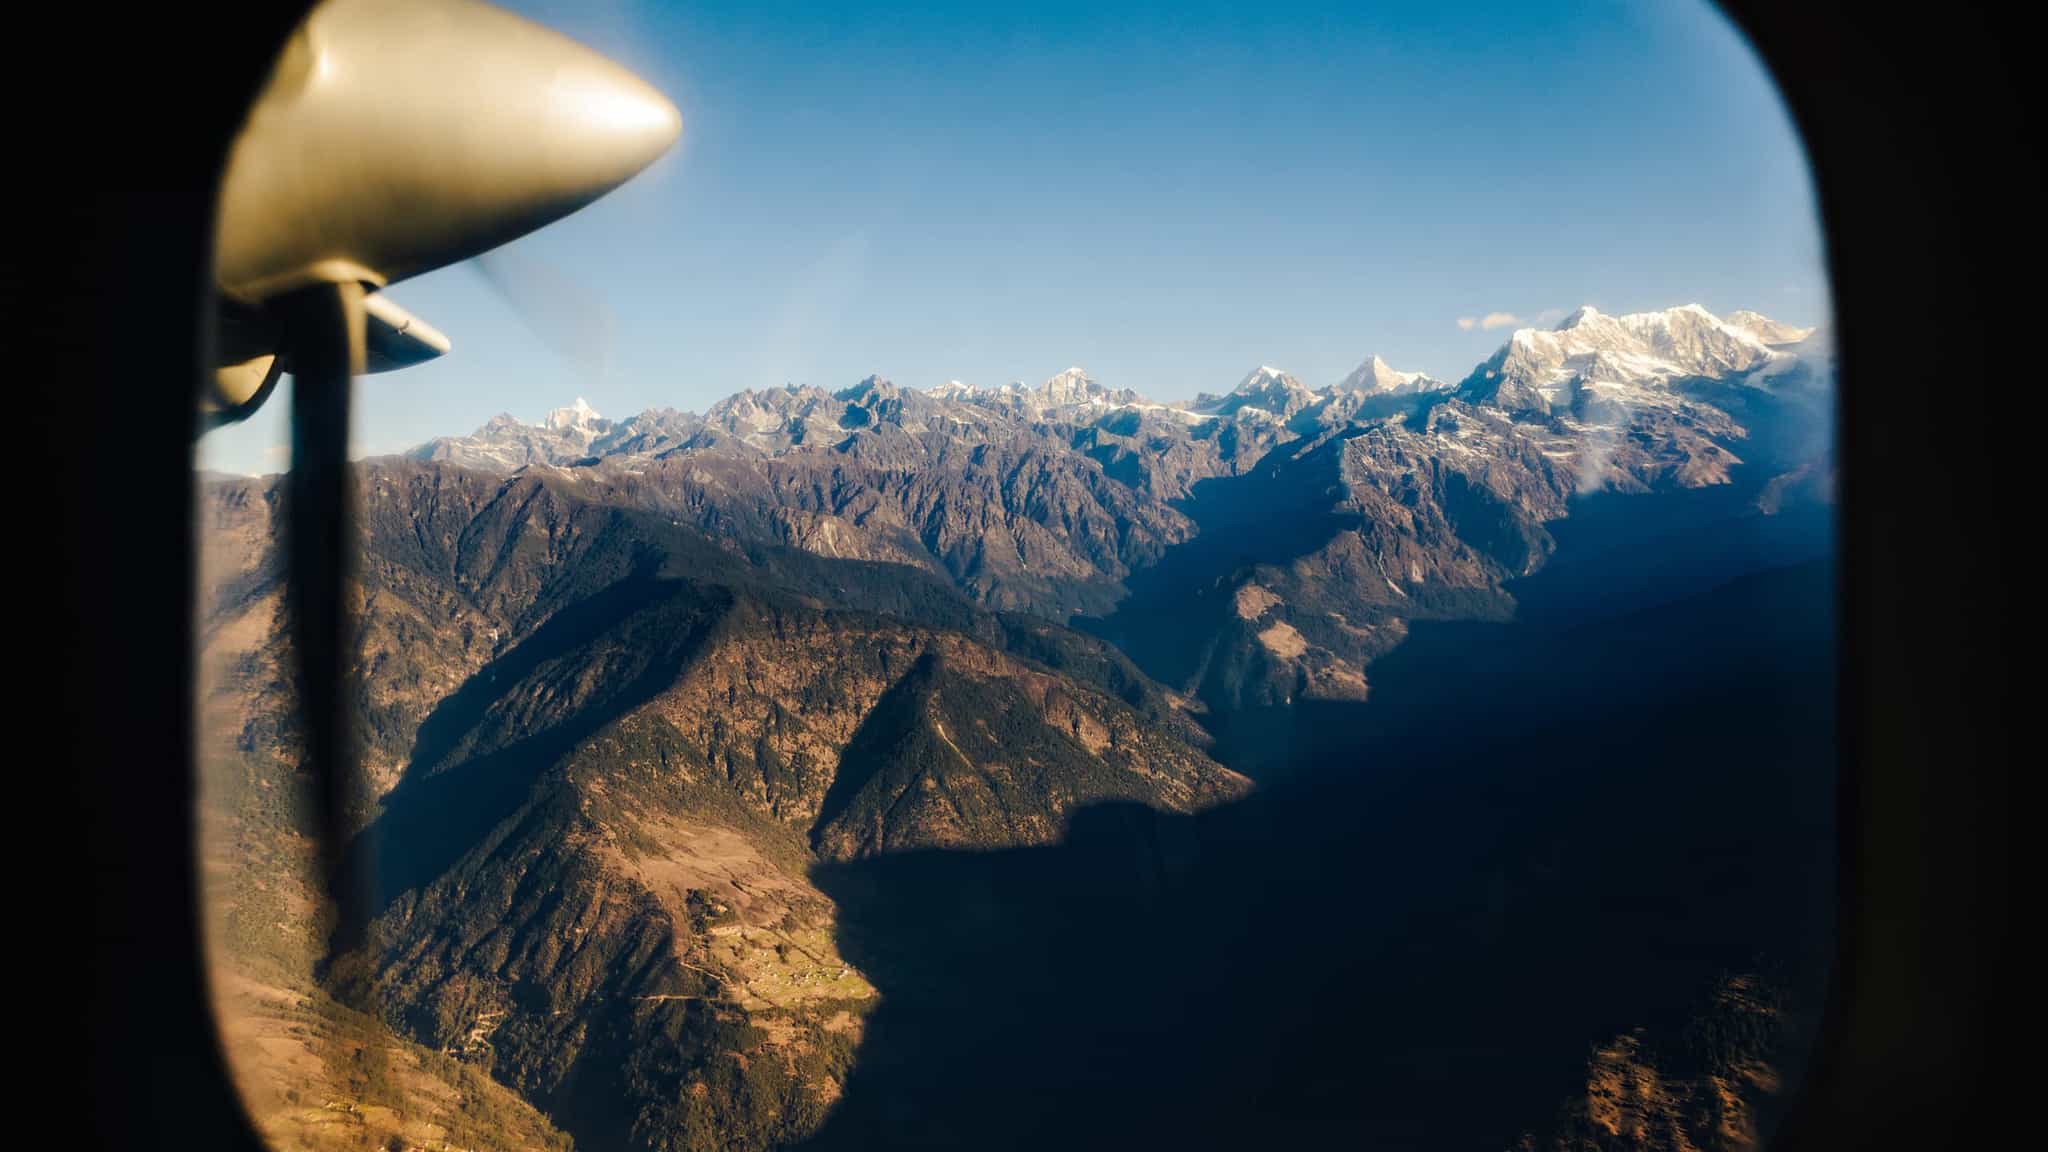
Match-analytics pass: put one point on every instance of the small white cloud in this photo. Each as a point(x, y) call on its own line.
point(1493, 320)
point(1489, 322)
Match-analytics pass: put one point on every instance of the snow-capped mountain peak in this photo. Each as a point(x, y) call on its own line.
point(505, 443)
point(872, 387)
point(1377, 377)
point(1266, 389)
point(579, 415)
point(1069, 387)
point(1767, 330)
point(1573, 319)
point(1631, 359)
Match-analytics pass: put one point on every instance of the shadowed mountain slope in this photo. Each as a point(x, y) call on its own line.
point(1490, 874)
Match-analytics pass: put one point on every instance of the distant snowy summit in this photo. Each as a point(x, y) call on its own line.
point(506, 443)
point(1267, 392)
point(1375, 377)
point(577, 417)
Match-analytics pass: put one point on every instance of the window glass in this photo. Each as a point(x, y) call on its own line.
point(1051, 577)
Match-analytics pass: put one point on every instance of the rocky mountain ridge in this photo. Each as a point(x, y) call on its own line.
point(1058, 493)
point(1426, 499)
point(628, 689)
point(663, 730)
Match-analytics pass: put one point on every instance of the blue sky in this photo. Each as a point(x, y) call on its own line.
point(1167, 196)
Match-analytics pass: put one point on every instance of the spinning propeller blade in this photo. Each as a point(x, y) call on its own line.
point(393, 137)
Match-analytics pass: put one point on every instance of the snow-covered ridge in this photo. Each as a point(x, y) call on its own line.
point(1766, 329)
point(1592, 369)
point(1632, 359)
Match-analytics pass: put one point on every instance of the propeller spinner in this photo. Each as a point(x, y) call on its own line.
point(398, 136)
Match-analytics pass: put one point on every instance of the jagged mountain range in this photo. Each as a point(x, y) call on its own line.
point(1049, 499)
point(642, 703)
point(1591, 370)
